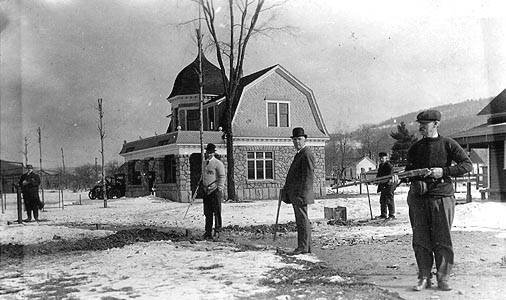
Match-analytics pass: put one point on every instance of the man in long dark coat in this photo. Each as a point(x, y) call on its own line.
point(298, 189)
point(29, 183)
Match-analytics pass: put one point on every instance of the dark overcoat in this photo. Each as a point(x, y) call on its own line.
point(29, 184)
point(299, 180)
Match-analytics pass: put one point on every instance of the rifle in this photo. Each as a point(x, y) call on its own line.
point(406, 174)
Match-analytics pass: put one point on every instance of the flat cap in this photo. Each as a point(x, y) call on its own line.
point(428, 116)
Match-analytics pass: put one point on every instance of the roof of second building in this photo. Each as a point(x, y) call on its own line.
point(181, 137)
point(187, 81)
point(497, 105)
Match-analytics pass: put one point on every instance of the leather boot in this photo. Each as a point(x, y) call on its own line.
point(423, 283)
point(442, 283)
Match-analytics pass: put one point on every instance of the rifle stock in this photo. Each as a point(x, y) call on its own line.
point(406, 174)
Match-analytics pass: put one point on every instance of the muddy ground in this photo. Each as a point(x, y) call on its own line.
point(287, 283)
point(375, 269)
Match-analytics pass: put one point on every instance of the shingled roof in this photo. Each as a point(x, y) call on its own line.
point(497, 105)
point(187, 81)
point(181, 137)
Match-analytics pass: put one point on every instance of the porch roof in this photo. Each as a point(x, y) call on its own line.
point(484, 133)
point(177, 138)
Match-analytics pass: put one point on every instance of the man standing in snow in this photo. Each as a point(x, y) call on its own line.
point(431, 199)
point(29, 184)
point(298, 189)
point(386, 188)
point(213, 181)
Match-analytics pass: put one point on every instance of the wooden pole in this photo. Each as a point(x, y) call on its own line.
point(102, 135)
point(369, 198)
point(26, 151)
point(63, 163)
point(40, 165)
point(201, 97)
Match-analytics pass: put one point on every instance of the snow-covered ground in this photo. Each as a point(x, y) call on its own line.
point(197, 270)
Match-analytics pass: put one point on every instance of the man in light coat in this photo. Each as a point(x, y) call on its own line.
point(298, 189)
point(213, 181)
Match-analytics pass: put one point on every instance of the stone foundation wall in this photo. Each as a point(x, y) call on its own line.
point(269, 189)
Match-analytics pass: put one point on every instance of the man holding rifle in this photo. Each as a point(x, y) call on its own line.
point(386, 189)
point(431, 199)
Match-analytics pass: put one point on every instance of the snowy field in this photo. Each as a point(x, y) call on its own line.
point(187, 270)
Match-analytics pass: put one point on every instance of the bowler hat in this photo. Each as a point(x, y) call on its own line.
point(211, 148)
point(381, 154)
point(298, 131)
point(29, 166)
point(428, 116)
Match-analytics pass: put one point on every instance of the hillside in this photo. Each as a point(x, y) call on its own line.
point(455, 117)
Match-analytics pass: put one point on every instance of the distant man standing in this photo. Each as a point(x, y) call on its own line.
point(298, 189)
point(431, 199)
point(386, 189)
point(29, 183)
point(213, 181)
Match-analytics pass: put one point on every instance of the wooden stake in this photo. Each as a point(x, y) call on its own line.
point(40, 165)
point(102, 135)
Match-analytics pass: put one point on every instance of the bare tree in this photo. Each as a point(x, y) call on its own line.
point(230, 44)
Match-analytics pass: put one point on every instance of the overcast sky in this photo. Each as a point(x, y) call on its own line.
point(366, 61)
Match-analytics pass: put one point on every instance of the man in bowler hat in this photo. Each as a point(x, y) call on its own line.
point(431, 199)
point(29, 183)
point(298, 189)
point(213, 181)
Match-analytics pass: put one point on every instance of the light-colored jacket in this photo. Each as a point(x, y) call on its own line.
point(214, 175)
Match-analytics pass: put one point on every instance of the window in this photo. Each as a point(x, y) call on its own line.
point(210, 117)
point(134, 177)
point(278, 114)
point(169, 166)
point(260, 165)
point(192, 119)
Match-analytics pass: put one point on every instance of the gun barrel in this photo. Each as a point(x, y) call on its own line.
point(406, 174)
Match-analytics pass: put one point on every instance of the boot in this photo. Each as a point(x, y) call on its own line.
point(442, 283)
point(423, 283)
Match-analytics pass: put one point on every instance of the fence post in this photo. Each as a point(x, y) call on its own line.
point(19, 205)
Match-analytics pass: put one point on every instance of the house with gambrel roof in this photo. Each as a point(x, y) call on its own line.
point(272, 101)
point(491, 136)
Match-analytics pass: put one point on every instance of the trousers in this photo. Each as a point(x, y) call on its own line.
point(431, 220)
point(303, 227)
point(387, 201)
point(212, 209)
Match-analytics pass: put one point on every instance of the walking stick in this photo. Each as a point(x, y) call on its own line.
point(193, 197)
point(369, 198)
point(277, 214)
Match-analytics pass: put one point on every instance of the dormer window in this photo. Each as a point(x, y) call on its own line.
point(278, 114)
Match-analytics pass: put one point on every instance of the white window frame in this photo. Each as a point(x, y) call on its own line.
point(277, 102)
point(254, 160)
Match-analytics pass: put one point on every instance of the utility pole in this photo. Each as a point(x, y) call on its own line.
point(96, 170)
point(63, 163)
point(102, 135)
point(26, 150)
point(201, 98)
point(40, 165)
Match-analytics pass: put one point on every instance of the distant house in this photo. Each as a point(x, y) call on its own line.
point(272, 101)
point(10, 172)
point(360, 166)
point(492, 137)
